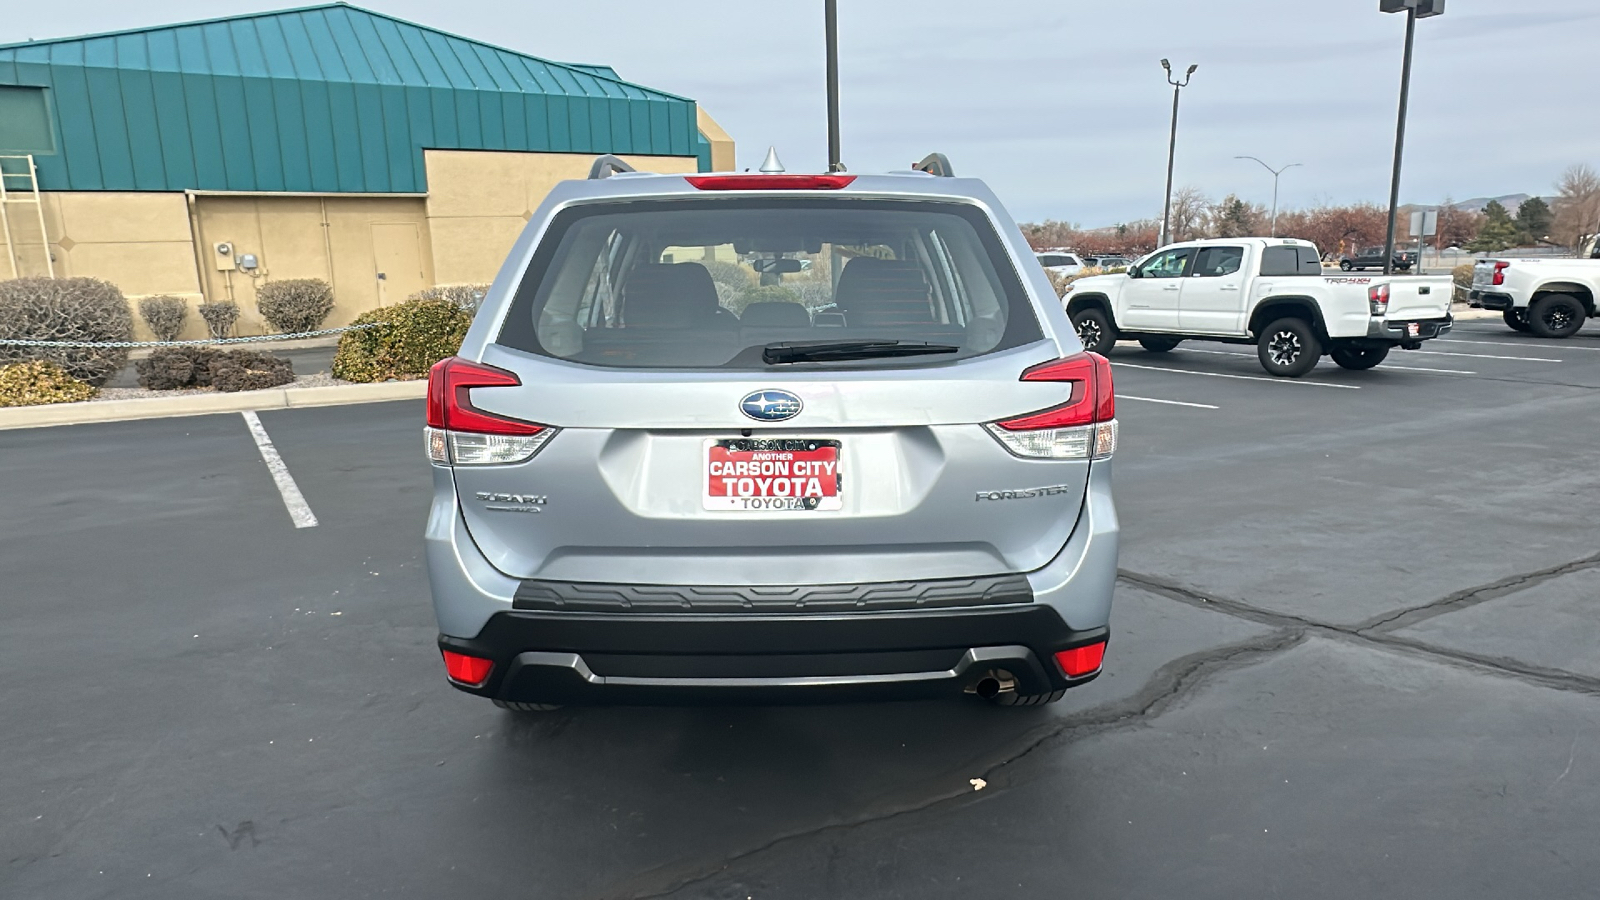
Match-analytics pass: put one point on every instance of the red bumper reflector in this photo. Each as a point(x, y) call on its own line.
point(468, 670)
point(770, 182)
point(1081, 661)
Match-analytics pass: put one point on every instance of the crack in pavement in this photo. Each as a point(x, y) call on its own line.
point(1166, 688)
point(1556, 679)
point(1405, 618)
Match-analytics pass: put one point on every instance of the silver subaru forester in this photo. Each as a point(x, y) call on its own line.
point(771, 437)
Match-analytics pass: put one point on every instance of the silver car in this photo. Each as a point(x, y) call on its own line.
point(771, 437)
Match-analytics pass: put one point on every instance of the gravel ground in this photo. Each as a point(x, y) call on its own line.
point(319, 379)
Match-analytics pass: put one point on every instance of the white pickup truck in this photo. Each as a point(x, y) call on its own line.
point(1549, 297)
point(1270, 292)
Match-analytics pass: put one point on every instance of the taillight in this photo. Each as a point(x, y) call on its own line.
point(459, 433)
point(770, 182)
point(1500, 272)
point(471, 671)
point(1081, 661)
point(1084, 427)
point(1378, 296)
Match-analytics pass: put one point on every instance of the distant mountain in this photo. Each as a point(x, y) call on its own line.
point(1512, 202)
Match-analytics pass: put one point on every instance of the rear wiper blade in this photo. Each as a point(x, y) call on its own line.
point(826, 351)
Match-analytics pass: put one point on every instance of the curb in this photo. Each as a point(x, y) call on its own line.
point(206, 404)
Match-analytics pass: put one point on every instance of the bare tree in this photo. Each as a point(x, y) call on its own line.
point(1577, 208)
point(1191, 215)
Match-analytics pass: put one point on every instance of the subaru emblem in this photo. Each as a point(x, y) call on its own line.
point(770, 405)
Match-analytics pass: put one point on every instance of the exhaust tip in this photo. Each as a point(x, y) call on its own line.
point(994, 683)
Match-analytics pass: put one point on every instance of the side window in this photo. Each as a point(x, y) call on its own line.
point(1167, 265)
point(1215, 262)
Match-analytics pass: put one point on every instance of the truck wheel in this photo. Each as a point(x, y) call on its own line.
point(1556, 316)
point(1344, 265)
point(1159, 344)
point(1094, 329)
point(1357, 359)
point(1517, 320)
point(1289, 348)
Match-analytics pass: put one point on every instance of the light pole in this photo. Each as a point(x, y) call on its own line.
point(1414, 10)
point(1172, 147)
point(1275, 174)
point(831, 24)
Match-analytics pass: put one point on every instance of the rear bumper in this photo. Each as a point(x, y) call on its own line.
point(1490, 300)
point(1408, 332)
point(631, 658)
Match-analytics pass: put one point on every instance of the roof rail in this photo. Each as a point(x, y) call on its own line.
point(607, 166)
point(936, 164)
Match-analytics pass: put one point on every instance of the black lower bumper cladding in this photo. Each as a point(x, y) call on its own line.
point(574, 658)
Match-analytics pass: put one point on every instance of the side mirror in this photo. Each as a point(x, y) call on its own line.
point(1134, 273)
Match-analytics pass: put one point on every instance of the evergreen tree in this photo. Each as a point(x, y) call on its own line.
point(1499, 231)
point(1533, 221)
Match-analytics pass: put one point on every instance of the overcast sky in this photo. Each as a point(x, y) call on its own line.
point(1062, 106)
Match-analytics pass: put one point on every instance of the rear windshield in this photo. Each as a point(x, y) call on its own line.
point(711, 283)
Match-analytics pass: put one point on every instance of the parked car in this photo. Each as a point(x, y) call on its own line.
point(1266, 291)
point(1106, 262)
point(1060, 263)
point(1372, 258)
point(1548, 297)
point(647, 492)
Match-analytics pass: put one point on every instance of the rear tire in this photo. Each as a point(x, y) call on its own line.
point(526, 707)
point(1094, 329)
point(1159, 344)
point(1288, 348)
point(1356, 359)
point(1517, 320)
point(1556, 316)
point(1014, 699)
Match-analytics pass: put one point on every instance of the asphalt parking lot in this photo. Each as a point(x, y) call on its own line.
point(1354, 654)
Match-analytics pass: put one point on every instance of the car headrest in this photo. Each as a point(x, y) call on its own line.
point(780, 314)
point(667, 295)
point(875, 291)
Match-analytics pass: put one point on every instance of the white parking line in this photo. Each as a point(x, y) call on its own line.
point(1539, 359)
point(1166, 402)
point(299, 511)
point(1342, 387)
point(1396, 368)
point(1523, 344)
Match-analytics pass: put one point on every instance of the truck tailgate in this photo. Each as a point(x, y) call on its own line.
point(1422, 297)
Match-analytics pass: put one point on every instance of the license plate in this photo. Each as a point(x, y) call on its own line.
point(752, 474)
point(1413, 329)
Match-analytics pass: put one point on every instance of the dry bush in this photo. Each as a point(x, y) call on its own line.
point(39, 382)
point(412, 337)
point(295, 304)
point(66, 309)
point(466, 296)
point(165, 316)
point(220, 317)
point(1462, 276)
point(246, 370)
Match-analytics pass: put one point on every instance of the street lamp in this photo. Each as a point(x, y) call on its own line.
point(1275, 174)
point(830, 16)
point(1172, 147)
point(1414, 10)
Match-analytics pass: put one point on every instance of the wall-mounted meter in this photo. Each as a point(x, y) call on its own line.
point(247, 262)
point(224, 255)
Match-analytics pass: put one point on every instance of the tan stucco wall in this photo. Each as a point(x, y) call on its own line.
point(478, 201)
point(721, 143)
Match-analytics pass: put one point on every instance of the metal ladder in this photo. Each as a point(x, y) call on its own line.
point(29, 195)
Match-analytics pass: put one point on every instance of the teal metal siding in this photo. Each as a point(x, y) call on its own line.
point(322, 99)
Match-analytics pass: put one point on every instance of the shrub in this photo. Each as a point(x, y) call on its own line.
point(767, 293)
point(66, 309)
point(246, 370)
point(726, 273)
point(295, 304)
point(38, 382)
point(1462, 276)
point(412, 337)
point(164, 315)
point(219, 317)
point(466, 296)
point(178, 368)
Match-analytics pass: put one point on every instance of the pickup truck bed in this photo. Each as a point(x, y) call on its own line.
point(1550, 298)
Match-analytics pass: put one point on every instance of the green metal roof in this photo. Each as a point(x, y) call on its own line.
point(326, 98)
